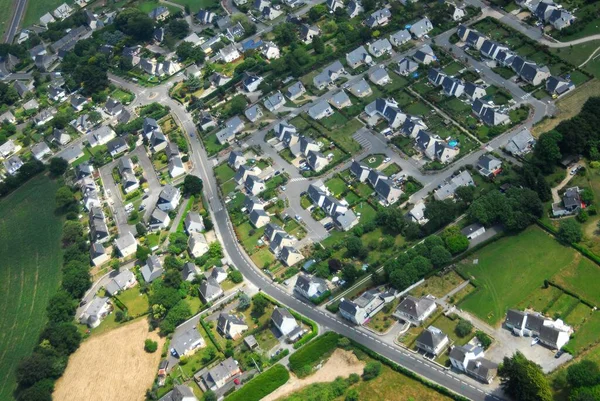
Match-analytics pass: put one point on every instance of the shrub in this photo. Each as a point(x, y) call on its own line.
point(484, 339)
point(150, 346)
point(119, 316)
point(372, 370)
point(352, 395)
point(313, 352)
point(261, 385)
point(463, 328)
point(236, 276)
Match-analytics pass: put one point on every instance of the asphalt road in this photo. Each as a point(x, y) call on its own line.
point(15, 20)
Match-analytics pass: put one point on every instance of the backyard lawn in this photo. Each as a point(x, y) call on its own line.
point(343, 136)
point(438, 286)
point(336, 185)
point(581, 277)
point(212, 145)
point(510, 269)
point(136, 303)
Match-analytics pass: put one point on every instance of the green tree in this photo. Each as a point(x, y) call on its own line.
point(569, 231)
point(58, 166)
point(192, 185)
point(547, 151)
point(136, 23)
point(372, 370)
point(585, 394)
point(355, 248)
point(61, 307)
point(463, 328)
point(243, 301)
point(150, 346)
point(318, 45)
point(524, 380)
point(235, 276)
point(38, 367)
point(483, 338)
point(64, 337)
point(349, 273)
point(40, 391)
point(210, 396)
point(583, 374)
point(64, 197)
point(439, 256)
point(259, 304)
point(237, 105)
point(179, 28)
point(352, 395)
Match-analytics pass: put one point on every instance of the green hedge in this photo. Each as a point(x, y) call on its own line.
point(210, 335)
point(312, 353)
point(322, 298)
point(262, 385)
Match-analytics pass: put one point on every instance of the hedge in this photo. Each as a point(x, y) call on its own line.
point(262, 385)
point(210, 335)
point(313, 352)
point(322, 298)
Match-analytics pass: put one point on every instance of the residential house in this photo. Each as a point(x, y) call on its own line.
point(399, 38)
point(473, 231)
point(388, 193)
point(432, 340)
point(13, 164)
point(571, 203)
point(379, 76)
point(113, 107)
point(334, 4)
point(417, 213)
point(152, 269)
point(474, 91)
point(307, 33)
point(208, 46)
point(92, 20)
point(329, 75)
point(320, 110)
point(354, 8)
point(236, 159)
point(72, 154)
point(388, 110)
point(521, 143)
point(235, 32)
point(286, 324)
point(366, 306)
point(98, 254)
point(289, 256)
point(270, 51)
point(95, 311)
point(530, 72)
point(22, 89)
point(193, 223)
point(205, 17)
point(180, 392)
point(175, 167)
point(218, 273)
point(231, 326)
point(44, 116)
point(488, 114)
point(210, 290)
point(229, 54)
point(206, 121)
point(361, 89)
point(489, 166)
point(40, 150)
point(149, 126)
point(310, 287)
point(197, 244)
point(56, 93)
point(316, 161)
point(447, 190)
point(128, 178)
point(274, 102)
point(46, 19)
point(98, 229)
point(117, 146)
point(380, 17)
point(218, 376)
point(415, 310)
point(186, 342)
point(295, 90)
point(259, 218)
point(261, 4)
point(470, 360)
point(557, 86)
point(251, 82)
point(380, 47)
point(458, 14)
point(159, 220)
point(63, 11)
point(421, 28)
point(159, 13)
point(412, 126)
point(340, 100)
point(358, 57)
point(254, 185)
point(77, 102)
point(101, 136)
point(453, 87)
point(190, 271)
point(270, 13)
point(360, 170)
point(83, 170)
point(121, 282)
point(8, 117)
point(233, 126)
point(406, 67)
point(252, 203)
point(425, 55)
point(169, 198)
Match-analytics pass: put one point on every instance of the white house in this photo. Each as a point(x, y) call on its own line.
point(286, 324)
point(415, 310)
point(95, 311)
point(197, 244)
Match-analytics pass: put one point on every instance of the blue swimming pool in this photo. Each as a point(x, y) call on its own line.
point(453, 143)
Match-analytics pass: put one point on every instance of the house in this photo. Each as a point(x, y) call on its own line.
point(206, 121)
point(388, 110)
point(22, 89)
point(261, 4)
point(270, 13)
point(340, 100)
point(252, 203)
point(219, 375)
point(243, 171)
point(531, 73)
point(470, 37)
point(235, 32)
point(379, 18)
point(432, 340)
point(157, 141)
point(412, 126)
point(375, 176)
point(92, 20)
point(470, 360)
point(46, 19)
point(152, 269)
point(288, 134)
point(310, 287)
point(259, 218)
point(129, 180)
point(232, 126)
point(197, 244)
point(13, 164)
point(101, 136)
point(63, 11)
point(425, 55)
point(231, 326)
point(458, 14)
point(399, 38)
point(557, 86)
point(320, 110)
point(270, 51)
point(316, 160)
point(229, 54)
point(571, 203)
point(169, 198)
point(358, 57)
point(254, 185)
point(334, 4)
point(521, 143)
point(345, 220)
point(289, 256)
point(415, 310)
point(159, 13)
point(117, 146)
point(274, 102)
point(176, 167)
point(560, 19)
point(453, 87)
point(98, 254)
point(329, 75)
point(251, 82)
point(113, 107)
point(121, 282)
point(82, 124)
point(489, 115)
point(366, 306)
point(72, 154)
point(8, 148)
point(186, 342)
point(307, 33)
point(280, 239)
point(406, 67)
point(379, 76)
point(77, 102)
point(159, 220)
point(295, 90)
point(473, 231)
point(159, 35)
point(421, 28)
point(360, 170)
point(473, 91)
point(361, 89)
point(210, 290)
point(446, 191)
point(8, 117)
point(354, 8)
point(250, 342)
point(417, 213)
point(488, 166)
point(56, 94)
point(39, 150)
point(218, 273)
point(205, 17)
point(388, 193)
point(190, 271)
point(208, 46)
point(286, 324)
point(180, 392)
point(436, 77)
point(555, 335)
point(193, 223)
point(68, 42)
point(44, 116)
point(98, 229)
point(380, 47)
point(95, 311)
point(236, 159)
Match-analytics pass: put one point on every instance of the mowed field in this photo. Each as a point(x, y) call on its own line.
point(37, 8)
point(510, 269)
point(30, 256)
point(112, 366)
point(6, 9)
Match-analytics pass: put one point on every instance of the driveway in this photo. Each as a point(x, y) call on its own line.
point(115, 198)
point(154, 186)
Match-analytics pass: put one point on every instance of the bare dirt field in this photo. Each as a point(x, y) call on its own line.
point(112, 366)
point(341, 363)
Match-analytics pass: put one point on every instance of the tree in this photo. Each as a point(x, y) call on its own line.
point(150, 346)
point(58, 166)
point(402, 279)
point(439, 256)
point(179, 28)
point(192, 185)
point(569, 231)
point(64, 197)
point(352, 395)
point(259, 304)
point(524, 380)
point(455, 241)
point(235, 276)
point(466, 193)
point(76, 282)
point(142, 253)
point(391, 220)
point(173, 278)
point(335, 265)
point(372, 370)
point(483, 338)
point(243, 301)
point(585, 394)
point(463, 328)
point(547, 151)
point(583, 374)
point(318, 45)
point(440, 213)
point(136, 23)
point(355, 248)
point(141, 230)
point(64, 337)
point(237, 105)
point(349, 273)
point(210, 396)
point(40, 391)
point(285, 34)
point(38, 367)
point(61, 307)
point(187, 51)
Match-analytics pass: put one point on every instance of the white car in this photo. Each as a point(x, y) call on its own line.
point(386, 160)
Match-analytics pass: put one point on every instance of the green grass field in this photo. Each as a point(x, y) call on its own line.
point(510, 269)
point(196, 5)
point(6, 8)
point(581, 277)
point(37, 8)
point(29, 273)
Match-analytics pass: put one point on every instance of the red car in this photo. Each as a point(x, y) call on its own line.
point(236, 381)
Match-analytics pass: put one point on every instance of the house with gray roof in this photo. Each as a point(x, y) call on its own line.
point(380, 47)
point(40, 150)
point(387, 109)
point(310, 287)
point(387, 191)
point(308, 32)
point(233, 126)
point(360, 170)
point(453, 87)
point(470, 360)
point(329, 75)
point(316, 160)
point(557, 86)
point(380, 17)
point(365, 306)
point(295, 90)
point(415, 310)
point(521, 143)
point(406, 67)
point(489, 166)
point(152, 269)
point(432, 340)
point(286, 324)
point(210, 290)
point(488, 114)
point(254, 185)
point(358, 57)
point(340, 100)
point(254, 112)
point(95, 311)
point(421, 28)
point(180, 392)
point(98, 254)
point(474, 91)
point(169, 198)
point(345, 220)
point(190, 271)
point(412, 126)
point(121, 282)
point(231, 326)
point(447, 190)
point(379, 76)
point(320, 110)
point(289, 256)
point(13, 164)
point(72, 154)
point(186, 342)
point(274, 102)
point(219, 375)
point(159, 220)
point(399, 38)
point(361, 89)
point(425, 55)
point(354, 8)
point(193, 222)
point(258, 218)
